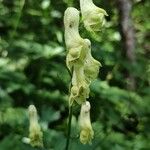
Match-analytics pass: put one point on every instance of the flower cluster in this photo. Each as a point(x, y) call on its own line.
point(83, 67)
point(79, 60)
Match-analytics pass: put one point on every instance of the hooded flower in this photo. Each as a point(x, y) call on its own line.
point(91, 66)
point(93, 16)
point(80, 88)
point(86, 131)
point(35, 133)
point(75, 44)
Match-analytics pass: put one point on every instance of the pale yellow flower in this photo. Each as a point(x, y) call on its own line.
point(86, 131)
point(75, 44)
point(93, 16)
point(91, 66)
point(35, 133)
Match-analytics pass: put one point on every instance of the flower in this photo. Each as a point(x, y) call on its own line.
point(91, 66)
point(74, 42)
point(93, 16)
point(83, 76)
point(86, 131)
point(35, 133)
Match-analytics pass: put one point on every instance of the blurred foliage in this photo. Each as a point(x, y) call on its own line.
point(33, 71)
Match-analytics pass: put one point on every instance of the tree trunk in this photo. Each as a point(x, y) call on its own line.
point(127, 34)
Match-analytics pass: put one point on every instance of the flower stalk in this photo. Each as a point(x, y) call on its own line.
point(69, 128)
point(82, 66)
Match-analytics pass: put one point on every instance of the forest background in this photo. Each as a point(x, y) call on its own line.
point(33, 71)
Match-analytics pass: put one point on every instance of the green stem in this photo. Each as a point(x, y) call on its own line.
point(69, 128)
